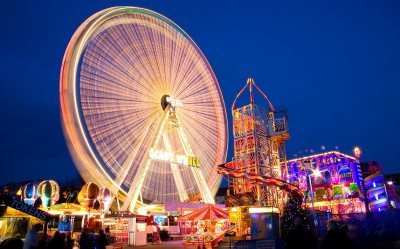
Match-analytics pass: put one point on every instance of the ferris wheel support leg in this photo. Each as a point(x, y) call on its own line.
point(198, 175)
point(175, 171)
point(203, 187)
point(136, 187)
point(131, 200)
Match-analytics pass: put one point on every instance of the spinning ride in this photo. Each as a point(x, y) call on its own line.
point(142, 111)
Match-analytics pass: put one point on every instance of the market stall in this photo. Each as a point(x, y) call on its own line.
point(65, 217)
point(206, 225)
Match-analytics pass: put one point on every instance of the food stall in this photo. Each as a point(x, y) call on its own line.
point(17, 218)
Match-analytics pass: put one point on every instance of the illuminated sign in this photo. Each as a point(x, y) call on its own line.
point(167, 156)
point(28, 209)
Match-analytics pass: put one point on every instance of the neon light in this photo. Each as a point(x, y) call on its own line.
point(162, 155)
point(159, 219)
point(167, 156)
point(357, 152)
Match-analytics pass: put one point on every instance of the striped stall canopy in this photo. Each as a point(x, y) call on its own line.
point(208, 212)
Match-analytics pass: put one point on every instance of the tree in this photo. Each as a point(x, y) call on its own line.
point(291, 210)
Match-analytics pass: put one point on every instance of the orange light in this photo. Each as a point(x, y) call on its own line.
point(357, 152)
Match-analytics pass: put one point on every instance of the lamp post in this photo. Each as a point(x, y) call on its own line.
point(311, 195)
point(316, 173)
point(357, 153)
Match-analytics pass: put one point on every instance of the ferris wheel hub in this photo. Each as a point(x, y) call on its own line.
point(171, 101)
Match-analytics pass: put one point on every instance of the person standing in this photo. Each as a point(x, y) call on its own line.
point(69, 242)
point(300, 236)
point(84, 240)
point(32, 239)
point(336, 237)
point(101, 241)
point(56, 242)
point(12, 243)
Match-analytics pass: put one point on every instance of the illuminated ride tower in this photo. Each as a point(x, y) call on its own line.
point(255, 175)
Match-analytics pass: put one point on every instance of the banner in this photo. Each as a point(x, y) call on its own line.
point(26, 208)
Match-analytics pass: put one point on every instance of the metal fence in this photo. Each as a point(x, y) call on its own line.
point(257, 244)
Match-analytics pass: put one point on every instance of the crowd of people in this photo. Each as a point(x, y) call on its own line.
point(59, 240)
point(343, 236)
point(302, 237)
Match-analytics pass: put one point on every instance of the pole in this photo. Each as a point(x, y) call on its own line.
point(45, 230)
point(312, 204)
point(387, 194)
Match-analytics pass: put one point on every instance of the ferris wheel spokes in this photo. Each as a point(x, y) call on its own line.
point(198, 175)
point(137, 183)
point(183, 196)
point(126, 166)
point(201, 184)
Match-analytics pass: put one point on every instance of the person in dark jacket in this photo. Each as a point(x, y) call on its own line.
point(32, 239)
point(300, 236)
point(12, 243)
point(101, 241)
point(336, 237)
point(57, 242)
point(84, 240)
point(69, 242)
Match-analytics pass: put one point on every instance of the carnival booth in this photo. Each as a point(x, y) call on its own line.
point(65, 218)
point(206, 225)
point(18, 213)
point(17, 218)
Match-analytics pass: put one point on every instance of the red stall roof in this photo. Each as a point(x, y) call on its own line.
point(208, 212)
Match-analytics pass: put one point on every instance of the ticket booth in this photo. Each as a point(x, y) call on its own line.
point(127, 229)
point(137, 231)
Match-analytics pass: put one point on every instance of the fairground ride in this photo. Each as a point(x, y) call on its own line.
point(142, 110)
point(255, 175)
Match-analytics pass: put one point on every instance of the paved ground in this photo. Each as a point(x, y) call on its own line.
point(166, 245)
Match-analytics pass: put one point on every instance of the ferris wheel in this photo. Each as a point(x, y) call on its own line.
point(142, 111)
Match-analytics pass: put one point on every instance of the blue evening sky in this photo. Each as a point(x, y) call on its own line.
point(335, 65)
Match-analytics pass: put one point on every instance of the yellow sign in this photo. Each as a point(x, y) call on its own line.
point(167, 156)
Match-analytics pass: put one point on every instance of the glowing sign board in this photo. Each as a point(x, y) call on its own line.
point(167, 156)
point(28, 209)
